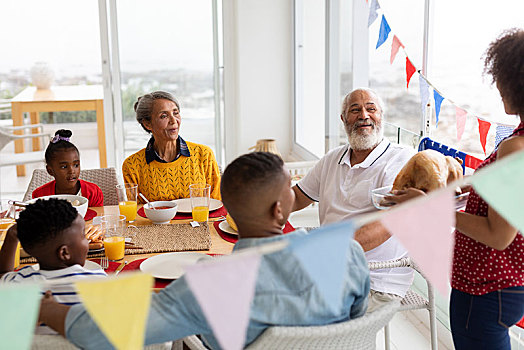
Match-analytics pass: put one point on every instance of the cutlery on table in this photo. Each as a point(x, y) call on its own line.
point(104, 262)
point(120, 268)
point(144, 198)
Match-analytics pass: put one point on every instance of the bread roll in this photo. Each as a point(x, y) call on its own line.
point(428, 170)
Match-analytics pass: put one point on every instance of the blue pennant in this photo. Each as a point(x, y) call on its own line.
point(438, 102)
point(384, 32)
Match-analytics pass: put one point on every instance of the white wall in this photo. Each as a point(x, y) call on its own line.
point(258, 78)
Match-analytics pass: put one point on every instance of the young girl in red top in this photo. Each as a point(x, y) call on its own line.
point(63, 163)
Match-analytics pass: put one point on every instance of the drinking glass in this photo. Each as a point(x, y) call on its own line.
point(127, 198)
point(7, 214)
point(113, 228)
point(200, 196)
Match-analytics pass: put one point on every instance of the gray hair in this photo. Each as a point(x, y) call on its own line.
point(381, 105)
point(144, 105)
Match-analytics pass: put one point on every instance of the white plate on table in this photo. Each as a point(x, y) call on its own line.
point(184, 205)
point(90, 265)
point(226, 227)
point(171, 265)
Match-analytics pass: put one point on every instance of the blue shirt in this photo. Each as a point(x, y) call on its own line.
point(285, 295)
point(181, 150)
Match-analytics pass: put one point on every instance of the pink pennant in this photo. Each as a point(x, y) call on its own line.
point(410, 70)
point(426, 232)
point(394, 48)
point(483, 131)
point(224, 290)
point(461, 121)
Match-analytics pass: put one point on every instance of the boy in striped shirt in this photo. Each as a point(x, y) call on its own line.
point(52, 231)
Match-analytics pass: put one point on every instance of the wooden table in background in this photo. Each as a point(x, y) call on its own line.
point(59, 99)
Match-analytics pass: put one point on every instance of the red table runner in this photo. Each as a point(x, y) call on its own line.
point(182, 216)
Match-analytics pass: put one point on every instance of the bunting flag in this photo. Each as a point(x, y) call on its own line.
point(500, 184)
point(502, 132)
point(431, 247)
point(335, 239)
point(438, 101)
point(119, 306)
point(224, 290)
point(384, 32)
point(483, 131)
point(410, 70)
point(461, 121)
point(373, 7)
point(424, 93)
point(19, 305)
point(394, 48)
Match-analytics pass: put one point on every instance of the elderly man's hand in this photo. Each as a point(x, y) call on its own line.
point(400, 196)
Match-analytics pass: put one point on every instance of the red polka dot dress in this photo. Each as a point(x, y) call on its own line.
point(479, 269)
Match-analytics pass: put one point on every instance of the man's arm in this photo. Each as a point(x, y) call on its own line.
point(301, 200)
point(8, 251)
point(371, 235)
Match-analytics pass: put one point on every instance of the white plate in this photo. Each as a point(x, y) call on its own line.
point(171, 265)
point(224, 226)
point(184, 205)
point(90, 265)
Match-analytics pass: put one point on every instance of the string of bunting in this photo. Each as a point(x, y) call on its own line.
point(484, 124)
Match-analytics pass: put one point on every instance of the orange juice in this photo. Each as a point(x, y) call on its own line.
point(5, 223)
point(200, 214)
point(128, 209)
point(114, 247)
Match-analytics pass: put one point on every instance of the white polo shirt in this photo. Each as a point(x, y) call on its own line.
point(344, 191)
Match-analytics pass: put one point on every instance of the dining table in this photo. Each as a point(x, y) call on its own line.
point(218, 245)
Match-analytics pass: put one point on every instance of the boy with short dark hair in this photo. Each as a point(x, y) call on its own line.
point(52, 231)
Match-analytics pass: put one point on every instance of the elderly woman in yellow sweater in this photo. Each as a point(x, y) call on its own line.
point(168, 165)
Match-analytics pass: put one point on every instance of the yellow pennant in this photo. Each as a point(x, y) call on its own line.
point(119, 306)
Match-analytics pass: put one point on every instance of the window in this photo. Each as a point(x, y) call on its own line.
point(168, 45)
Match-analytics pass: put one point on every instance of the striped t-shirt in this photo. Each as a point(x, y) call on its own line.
point(59, 282)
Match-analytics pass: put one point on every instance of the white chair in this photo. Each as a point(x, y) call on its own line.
point(7, 135)
point(57, 342)
point(105, 179)
point(412, 300)
point(358, 334)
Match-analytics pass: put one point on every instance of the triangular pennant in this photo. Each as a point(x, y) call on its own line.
point(224, 290)
point(503, 131)
point(394, 48)
point(410, 70)
point(426, 232)
point(438, 102)
point(384, 32)
point(119, 306)
point(19, 305)
point(483, 131)
point(499, 184)
point(373, 7)
point(424, 93)
point(461, 121)
point(335, 239)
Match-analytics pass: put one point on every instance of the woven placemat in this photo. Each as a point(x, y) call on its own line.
point(160, 239)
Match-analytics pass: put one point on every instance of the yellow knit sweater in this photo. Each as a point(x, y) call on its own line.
point(168, 181)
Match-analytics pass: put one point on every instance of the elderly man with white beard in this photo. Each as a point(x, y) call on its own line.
point(342, 182)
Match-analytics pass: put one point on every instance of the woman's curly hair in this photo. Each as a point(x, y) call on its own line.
point(504, 61)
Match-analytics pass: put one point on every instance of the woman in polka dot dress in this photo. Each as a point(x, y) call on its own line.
point(487, 281)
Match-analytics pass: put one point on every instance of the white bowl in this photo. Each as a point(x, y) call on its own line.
point(160, 216)
point(377, 196)
point(81, 207)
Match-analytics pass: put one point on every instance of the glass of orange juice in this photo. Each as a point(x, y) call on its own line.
point(113, 227)
point(200, 196)
point(127, 197)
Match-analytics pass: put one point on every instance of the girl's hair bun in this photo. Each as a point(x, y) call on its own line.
point(64, 133)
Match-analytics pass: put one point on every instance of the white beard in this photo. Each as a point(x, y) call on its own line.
point(363, 142)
